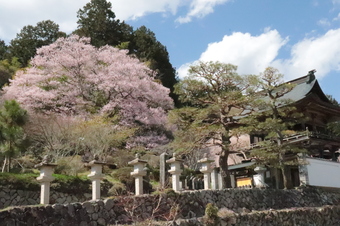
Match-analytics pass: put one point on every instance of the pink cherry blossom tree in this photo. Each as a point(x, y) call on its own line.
point(72, 77)
point(75, 79)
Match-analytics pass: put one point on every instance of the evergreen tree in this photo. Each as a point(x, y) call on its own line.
point(97, 21)
point(214, 94)
point(333, 100)
point(3, 49)
point(30, 38)
point(333, 127)
point(146, 47)
point(274, 117)
point(7, 70)
point(12, 119)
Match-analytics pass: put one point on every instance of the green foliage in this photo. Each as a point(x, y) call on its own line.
point(3, 49)
point(275, 115)
point(61, 183)
point(63, 136)
point(123, 45)
point(71, 184)
point(170, 192)
point(146, 47)
point(117, 189)
point(101, 136)
point(214, 94)
point(211, 217)
point(211, 211)
point(12, 136)
point(23, 164)
point(70, 165)
point(123, 175)
point(97, 21)
point(333, 127)
point(20, 181)
point(30, 38)
point(333, 100)
point(7, 70)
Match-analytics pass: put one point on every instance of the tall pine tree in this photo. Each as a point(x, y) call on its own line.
point(12, 119)
point(273, 119)
point(215, 95)
point(97, 21)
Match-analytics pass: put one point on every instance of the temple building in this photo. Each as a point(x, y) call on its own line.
point(322, 166)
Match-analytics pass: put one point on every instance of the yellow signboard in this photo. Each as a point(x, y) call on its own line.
point(243, 181)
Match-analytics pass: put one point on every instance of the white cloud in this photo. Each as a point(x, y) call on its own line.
point(324, 22)
point(182, 71)
point(337, 17)
point(200, 8)
point(124, 10)
point(252, 54)
point(321, 53)
point(15, 14)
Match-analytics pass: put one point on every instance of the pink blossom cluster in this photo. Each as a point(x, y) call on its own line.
point(72, 77)
point(149, 140)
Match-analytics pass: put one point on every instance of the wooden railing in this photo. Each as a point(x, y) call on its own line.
point(304, 135)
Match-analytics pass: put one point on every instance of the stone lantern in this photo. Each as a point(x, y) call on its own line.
point(206, 169)
point(46, 169)
point(175, 171)
point(138, 172)
point(95, 176)
point(259, 177)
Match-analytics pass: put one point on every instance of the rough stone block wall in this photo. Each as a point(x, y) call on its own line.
point(256, 206)
point(325, 215)
point(11, 197)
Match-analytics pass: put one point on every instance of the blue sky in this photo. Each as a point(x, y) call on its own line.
point(293, 36)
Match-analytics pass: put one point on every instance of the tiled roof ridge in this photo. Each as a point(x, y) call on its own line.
point(307, 78)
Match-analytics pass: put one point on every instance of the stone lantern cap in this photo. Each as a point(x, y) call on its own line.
point(46, 169)
point(96, 169)
point(205, 159)
point(95, 162)
point(206, 164)
point(175, 165)
point(138, 167)
point(174, 159)
point(41, 165)
point(137, 160)
point(260, 169)
point(46, 162)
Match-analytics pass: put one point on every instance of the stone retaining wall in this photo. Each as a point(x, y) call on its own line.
point(325, 215)
point(245, 204)
point(11, 197)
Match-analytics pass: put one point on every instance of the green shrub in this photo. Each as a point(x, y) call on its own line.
point(123, 175)
point(61, 183)
point(211, 217)
point(70, 165)
point(117, 189)
point(23, 164)
point(170, 192)
point(22, 181)
point(71, 184)
point(211, 211)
